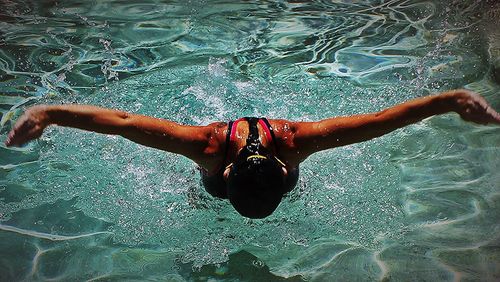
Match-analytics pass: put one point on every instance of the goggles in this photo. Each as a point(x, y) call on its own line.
point(259, 157)
point(264, 157)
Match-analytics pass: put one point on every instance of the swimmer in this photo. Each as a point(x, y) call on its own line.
point(252, 162)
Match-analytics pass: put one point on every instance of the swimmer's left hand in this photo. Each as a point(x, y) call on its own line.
point(29, 126)
point(474, 108)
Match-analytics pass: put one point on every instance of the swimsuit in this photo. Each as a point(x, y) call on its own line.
point(216, 185)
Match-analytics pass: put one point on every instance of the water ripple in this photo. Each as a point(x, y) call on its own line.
point(422, 201)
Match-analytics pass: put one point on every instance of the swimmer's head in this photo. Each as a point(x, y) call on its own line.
point(255, 183)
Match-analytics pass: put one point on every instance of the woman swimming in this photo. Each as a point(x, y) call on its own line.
point(252, 162)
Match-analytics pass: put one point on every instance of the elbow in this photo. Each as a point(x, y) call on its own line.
point(124, 115)
point(125, 124)
point(127, 120)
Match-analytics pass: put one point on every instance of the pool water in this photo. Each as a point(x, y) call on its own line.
point(419, 204)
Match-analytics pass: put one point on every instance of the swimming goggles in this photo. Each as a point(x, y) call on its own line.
point(264, 157)
point(260, 157)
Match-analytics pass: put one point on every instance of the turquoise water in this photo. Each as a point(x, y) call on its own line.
point(419, 204)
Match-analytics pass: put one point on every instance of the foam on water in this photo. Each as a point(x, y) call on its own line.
point(421, 202)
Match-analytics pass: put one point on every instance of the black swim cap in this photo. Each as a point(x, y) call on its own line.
point(255, 183)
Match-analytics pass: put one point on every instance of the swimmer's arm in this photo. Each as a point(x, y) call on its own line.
point(162, 134)
point(310, 137)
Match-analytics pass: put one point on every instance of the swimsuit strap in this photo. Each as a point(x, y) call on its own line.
point(230, 135)
point(269, 131)
point(232, 131)
point(253, 134)
point(228, 140)
point(252, 141)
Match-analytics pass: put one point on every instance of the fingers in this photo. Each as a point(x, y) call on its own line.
point(482, 116)
point(494, 116)
point(13, 136)
point(13, 139)
point(24, 130)
point(8, 141)
point(478, 110)
point(489, 114)
point(18, 138)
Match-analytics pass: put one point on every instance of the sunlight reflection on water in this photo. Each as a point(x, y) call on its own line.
point(421, 202)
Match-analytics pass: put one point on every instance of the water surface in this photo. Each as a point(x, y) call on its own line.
point(421, 203)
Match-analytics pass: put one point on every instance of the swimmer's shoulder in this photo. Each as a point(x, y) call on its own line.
point(283, 127)
point(284, 131)
point(218, 132)
point(213, 152)
point(219, 128)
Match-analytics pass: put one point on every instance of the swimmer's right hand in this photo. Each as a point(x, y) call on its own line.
point(29, 126)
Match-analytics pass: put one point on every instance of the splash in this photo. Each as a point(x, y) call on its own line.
point(425, 195)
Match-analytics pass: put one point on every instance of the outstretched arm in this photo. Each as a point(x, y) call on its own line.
point(190, 141)
point(310, 137)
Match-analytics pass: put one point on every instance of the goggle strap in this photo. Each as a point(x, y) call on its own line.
point(264, 157)
point(281, 163)
point(256, 157)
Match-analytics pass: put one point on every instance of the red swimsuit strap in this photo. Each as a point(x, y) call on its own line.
point(233, 129)
point(264, 126)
